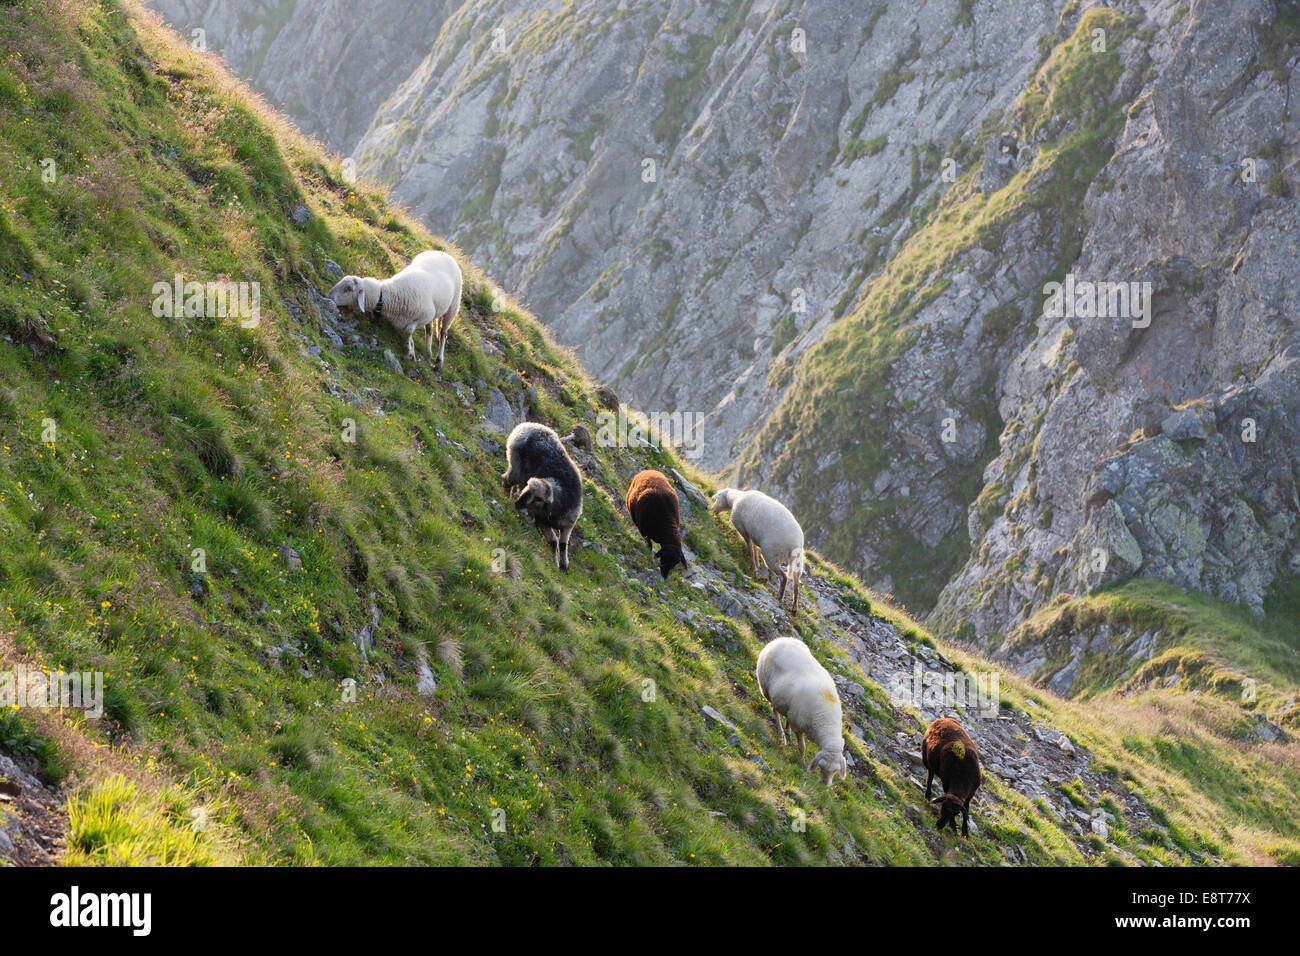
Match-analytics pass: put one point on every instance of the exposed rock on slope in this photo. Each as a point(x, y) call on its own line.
point(783, 163)
point(699, 189)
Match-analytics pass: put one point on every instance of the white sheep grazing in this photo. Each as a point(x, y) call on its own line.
point(767, 526)
point(802, 691)
point(426, 294)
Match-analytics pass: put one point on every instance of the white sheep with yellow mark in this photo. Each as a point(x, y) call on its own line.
point(802, 691)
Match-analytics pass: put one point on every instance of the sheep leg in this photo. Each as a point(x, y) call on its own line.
point(753, 557)
point(445, 323)
point(780, 593)
point(410, 346)
point(428, 340)
point(780, 731)
point(564, 547)
point(803, 749)
point(929, 779)
point(965, 819)
point(794, 611)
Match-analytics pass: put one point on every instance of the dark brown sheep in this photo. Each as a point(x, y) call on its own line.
point(653, 505)
point(948, 751)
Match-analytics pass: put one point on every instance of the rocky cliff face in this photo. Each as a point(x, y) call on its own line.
point(692, 192)
point(1169, 451)
point(829, 229)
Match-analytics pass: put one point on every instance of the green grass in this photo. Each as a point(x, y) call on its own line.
point(1211, 645)
point(233, 684)
point(1179, 726)
point(856, 149)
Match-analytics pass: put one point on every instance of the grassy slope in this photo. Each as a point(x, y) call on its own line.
point(1212, 645)
point(1179, 723)
point(185, 433)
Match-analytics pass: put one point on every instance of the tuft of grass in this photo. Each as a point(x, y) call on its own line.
point(113, 824)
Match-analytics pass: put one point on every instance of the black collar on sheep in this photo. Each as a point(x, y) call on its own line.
point(379, 306)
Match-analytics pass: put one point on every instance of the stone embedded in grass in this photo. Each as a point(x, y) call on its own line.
point(291, 557)
point(716, 717)
point(1267, 732)
point(426, 686)
point(500, 417)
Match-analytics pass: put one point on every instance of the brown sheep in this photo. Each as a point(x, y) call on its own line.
point(948, 751)
point(653, 505)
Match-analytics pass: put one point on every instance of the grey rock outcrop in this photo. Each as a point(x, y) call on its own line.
point(1169, 451)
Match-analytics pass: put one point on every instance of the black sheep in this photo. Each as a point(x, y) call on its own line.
point(948, 751)
point(653, 505)
point(549, 484)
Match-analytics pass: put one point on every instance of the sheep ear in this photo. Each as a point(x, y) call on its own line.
point(361, 300)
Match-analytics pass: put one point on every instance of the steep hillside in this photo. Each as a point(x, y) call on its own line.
point(325, 635)
point(311, 58)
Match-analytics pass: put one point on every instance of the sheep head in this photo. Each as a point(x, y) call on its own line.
point(950, 809)
point(668, 557)
point(355, 293)
point(536, 497)
point(721, 501)
point(831, 763)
